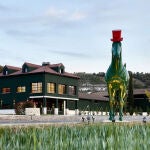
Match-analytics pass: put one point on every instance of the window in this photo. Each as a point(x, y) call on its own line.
point(61, 70)
point(37, 87)
point(21, 89)
point(5, 90)
point(72, 90)
point(26, 70)
point(51, 88)
point(61, 89)
point(6, 72)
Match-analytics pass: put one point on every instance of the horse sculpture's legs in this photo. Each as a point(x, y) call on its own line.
point(111, 102)
point(121, 109)
point(111, 113)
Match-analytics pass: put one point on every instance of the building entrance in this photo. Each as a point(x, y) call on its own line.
point(51, 105)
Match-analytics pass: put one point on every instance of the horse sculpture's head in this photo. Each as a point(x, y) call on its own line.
point(116, 50)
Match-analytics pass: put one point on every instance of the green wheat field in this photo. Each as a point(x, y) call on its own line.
point(102, 136)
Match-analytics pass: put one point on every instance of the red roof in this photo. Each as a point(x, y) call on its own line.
point(40, 69)
point(140, 91)
point(69, 75)
point(17, 72)
point(32, 65)
point(94, 96)
point(12, 67)
point(103, 96)
point(46, 69)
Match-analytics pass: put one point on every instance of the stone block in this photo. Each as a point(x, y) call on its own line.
point(32, 111)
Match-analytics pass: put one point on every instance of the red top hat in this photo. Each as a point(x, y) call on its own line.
point(116, 36)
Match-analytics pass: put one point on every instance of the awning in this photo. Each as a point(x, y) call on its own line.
point(55, 97)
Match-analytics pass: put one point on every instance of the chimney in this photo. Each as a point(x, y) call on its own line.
point(45, 63)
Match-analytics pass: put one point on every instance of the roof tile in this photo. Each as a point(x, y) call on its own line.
point(12, 67)
point(40, 69)
point(32, 65)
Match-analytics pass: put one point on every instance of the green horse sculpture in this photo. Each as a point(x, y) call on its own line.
point(117, 77)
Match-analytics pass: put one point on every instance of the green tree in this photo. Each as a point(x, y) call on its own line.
point(130, 98)
point(1, 68)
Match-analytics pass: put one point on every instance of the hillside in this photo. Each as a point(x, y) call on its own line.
point(91, 82)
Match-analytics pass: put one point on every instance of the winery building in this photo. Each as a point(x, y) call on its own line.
point(53, 90)
point(48, 85)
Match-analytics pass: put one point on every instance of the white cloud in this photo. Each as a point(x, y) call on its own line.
point(65, 14)
point(78, 16)
point(53, 12)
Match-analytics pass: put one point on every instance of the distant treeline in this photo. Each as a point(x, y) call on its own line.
point(140, 80)
point(91, 78)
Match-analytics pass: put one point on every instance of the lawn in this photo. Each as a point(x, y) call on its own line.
point(115, 136)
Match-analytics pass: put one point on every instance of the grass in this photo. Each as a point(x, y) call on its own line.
point(112, 136)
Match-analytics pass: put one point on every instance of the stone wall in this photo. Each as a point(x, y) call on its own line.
point(7, 111)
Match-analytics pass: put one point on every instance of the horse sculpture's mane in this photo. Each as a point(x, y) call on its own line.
point(116, 77)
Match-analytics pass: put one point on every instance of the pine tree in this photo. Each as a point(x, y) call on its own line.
point(130, 99)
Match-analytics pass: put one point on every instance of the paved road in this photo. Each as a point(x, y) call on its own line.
point(7, 120)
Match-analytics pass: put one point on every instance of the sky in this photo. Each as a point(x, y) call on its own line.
point(76, 33)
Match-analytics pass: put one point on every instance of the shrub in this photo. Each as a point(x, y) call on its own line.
point(20, 107)
point(28, 104)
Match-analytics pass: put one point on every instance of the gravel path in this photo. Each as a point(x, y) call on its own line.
point(61, 119)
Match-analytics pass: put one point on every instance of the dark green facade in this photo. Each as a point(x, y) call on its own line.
point(12, 78)
point(92, 105)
